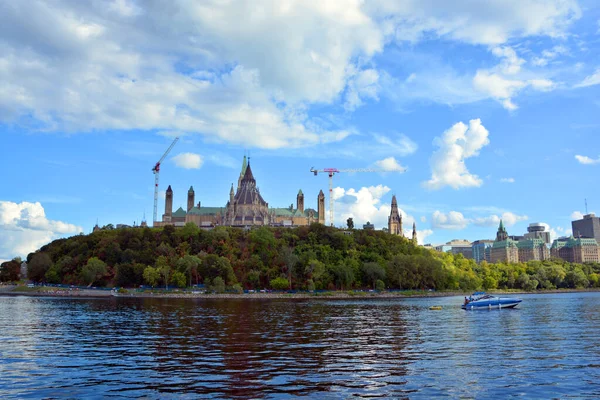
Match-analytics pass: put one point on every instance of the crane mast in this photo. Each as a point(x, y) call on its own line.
point(156, 171)
point(332, 171)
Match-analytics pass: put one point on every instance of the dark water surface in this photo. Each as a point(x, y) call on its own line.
point(549, 347)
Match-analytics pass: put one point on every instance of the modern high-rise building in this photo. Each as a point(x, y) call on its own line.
point(587, 227)
point(538, 230)
point(482, 250)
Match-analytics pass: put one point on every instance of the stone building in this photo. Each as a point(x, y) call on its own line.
point(533, 250)
point(395, 219)
point(504, 249)
point(576, 250)
point(246, 207)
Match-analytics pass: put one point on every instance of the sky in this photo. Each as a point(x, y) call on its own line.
point(490, 108)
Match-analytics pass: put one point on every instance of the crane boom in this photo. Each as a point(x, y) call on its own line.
point(332, 171)
point(156, 171)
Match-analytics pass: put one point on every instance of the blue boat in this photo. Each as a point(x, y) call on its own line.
point(482, 301)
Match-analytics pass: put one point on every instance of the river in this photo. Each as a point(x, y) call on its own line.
point(548, 347)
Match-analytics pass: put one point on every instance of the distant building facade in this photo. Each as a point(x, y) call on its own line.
point(533, 250)
point(538, 230)
point(587, 227)
point(504, 249)
point(481, 250)
point(576, 250)
point(395, 219)
point(246, 207)
point(457, 246)
point(369, 226)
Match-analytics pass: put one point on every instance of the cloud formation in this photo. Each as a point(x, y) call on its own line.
point(24, 228)
point(587, 160)
point(390, 164)
point(188, 160)
point(456, 220)
point(456, 145)
point(507, 180)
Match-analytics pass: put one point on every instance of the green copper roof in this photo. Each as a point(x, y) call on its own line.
point(191, 189)
point(244, 166)
point(530, 243)
point(205, 211)
point(504, 244)
point(300, 191)
point(179, 213)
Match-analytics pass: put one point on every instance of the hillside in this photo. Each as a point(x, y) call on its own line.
point(316, 257)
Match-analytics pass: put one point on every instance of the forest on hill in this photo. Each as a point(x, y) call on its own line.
point(302, 258)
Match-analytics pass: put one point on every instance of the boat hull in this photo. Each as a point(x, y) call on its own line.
point(491, 304)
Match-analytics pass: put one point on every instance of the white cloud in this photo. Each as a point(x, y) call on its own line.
point(456, 145)
point(498, 87)
point(508, 219)
point(390, 164)
point(576, 215)
point(401, 145)
point(590, 80)
point(422, 235)
point(587, 160)
point(492, 22)
point(507, 180)
point(451, 220)
point(188, 160)
point(225, 70)
point(456, 220)
point(549, 55)
point(24, 228)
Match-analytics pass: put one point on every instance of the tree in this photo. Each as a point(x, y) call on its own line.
point(151, 275)
point(279, 283)
point(37, 267)
point(163, 266)
point(93, 270)
point(373, 272)
point(218, 285)
point(10, 271)
point(178, 279)
point(350, 223)
point(379, 285)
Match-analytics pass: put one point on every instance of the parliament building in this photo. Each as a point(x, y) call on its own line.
point(246, 207)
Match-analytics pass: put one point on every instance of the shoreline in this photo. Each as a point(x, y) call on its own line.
point(334, 295)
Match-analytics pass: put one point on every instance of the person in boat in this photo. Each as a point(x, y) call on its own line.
point(466, 300)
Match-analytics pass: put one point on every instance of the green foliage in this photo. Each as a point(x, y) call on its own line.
point(151, 276)
point(93, 270)
point(379, 285)
point(307, 257)
point(218, 285)
point(280, 283)
point(178, 279)
point(37, 267)
point(237, 288)
point(10, 270)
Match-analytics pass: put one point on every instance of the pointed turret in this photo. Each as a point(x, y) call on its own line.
point(231, 194)
point(414, 233)
point(395, 219)
point(190, 199)
point(501, 234)
point(300, 201)
point(321, 207)
point(168, 205)
point(242, 172)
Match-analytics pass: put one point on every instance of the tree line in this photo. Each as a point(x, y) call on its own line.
point(302, 258)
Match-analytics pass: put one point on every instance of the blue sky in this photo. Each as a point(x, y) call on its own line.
point(492, 108)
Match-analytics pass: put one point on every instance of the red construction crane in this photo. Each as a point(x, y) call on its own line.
point(156, 171)
point(332, 171)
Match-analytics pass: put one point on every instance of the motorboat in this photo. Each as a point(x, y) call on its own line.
point(482, 301)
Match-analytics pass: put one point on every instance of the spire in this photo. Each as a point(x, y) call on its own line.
point(501, 227)
point(248, 174)
point(231, 191)
point(394, 202)
point(169, 190)
point(244, 165)
point(300, 192)
point(321, 193)
point(414, 233)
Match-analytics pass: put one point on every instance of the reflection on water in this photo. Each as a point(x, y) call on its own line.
point(157, 348)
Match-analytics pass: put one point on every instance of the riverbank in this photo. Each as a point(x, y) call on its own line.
point(45, 291)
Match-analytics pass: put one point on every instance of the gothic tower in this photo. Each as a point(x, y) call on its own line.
point(501, 234)
point(321, 207)
point(231, 194)
point(414, 234)
point(395, 219)
point(242, 173)
point(168, 204)
point(190, 202)
point(300, 201)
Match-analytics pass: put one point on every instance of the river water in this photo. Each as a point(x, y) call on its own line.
point(549, 347)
